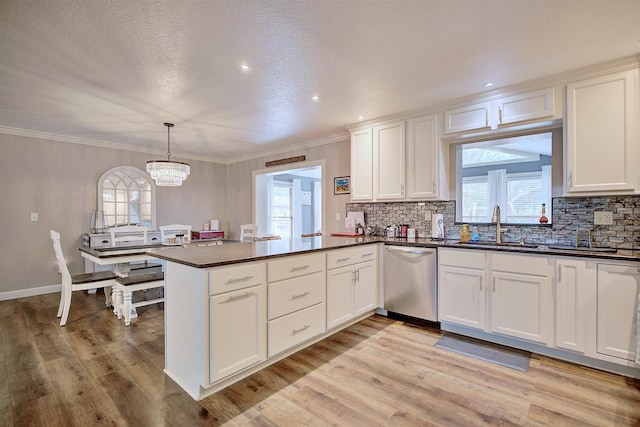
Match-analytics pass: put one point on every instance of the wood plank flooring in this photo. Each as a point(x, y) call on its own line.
point(379, 372)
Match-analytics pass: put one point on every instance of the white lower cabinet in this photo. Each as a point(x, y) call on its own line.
point(516, 304)
point(297, 294)
point(352, 289)
point(571, 289)
point(618, 287)
point(235, 348)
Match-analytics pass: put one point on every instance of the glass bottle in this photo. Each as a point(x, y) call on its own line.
point(543, 218)
point(464, 234)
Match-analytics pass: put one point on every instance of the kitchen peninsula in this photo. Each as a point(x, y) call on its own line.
point(234, 309)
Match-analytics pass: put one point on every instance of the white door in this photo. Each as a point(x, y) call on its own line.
point(364, 288)
point(388, 160)
point(237, 331)
point(339, 295)
point(602, 133)
point(471, 117)
point(617, 302)
point(461, 296)
point(525, 106)
point(362, 165)
point(422, 157)
point(570, 317)
point(520, 306)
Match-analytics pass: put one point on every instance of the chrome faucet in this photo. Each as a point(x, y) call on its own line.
point(496, 220)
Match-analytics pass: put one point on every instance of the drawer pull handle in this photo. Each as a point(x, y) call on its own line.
point(300, 295)
point(237, 297)
point(343, 259)
point(369, 254)
point(239, 279)
point(304, 328)
point(105, 241)
point(302, 267)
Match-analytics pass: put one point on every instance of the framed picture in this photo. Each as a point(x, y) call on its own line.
point(342, 185)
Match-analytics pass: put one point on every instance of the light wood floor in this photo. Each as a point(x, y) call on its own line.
point(380, 372)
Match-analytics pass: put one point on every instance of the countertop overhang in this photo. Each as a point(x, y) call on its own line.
point(233, 253)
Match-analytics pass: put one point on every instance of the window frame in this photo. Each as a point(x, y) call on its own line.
point(134, 174)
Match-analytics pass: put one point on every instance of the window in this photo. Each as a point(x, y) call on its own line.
point(514, 173)
point(281, 215)
point(127, 197)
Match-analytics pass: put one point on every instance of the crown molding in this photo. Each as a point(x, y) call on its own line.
point(116, 146)
point(560, 79)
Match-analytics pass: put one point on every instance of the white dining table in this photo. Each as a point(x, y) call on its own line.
point(118, 258)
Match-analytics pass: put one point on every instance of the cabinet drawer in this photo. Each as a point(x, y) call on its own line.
point(462, 258)
point(240, 276)
point(292, 329)
point(349, 256)
point(294, 294)
point(294, 266)
point(521, 264)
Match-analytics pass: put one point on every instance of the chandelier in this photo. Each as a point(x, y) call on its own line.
point(165, 172)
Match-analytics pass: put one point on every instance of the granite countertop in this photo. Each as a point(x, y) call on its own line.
point(232, 253)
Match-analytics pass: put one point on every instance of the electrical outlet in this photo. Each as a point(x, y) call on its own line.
point(337, 216)
point(603, 218)
point(427, 215)
point(34, 216)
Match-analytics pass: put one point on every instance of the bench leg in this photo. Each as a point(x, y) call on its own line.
point(116, 296)
point(126, 308)
point(107, 296)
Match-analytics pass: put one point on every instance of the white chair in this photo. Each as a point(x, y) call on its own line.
point(170, 231)
point(128, 234)
point(248, 232)
point(78, 282)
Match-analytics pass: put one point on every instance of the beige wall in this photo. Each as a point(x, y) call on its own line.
point(58, 180)
point(240, 186)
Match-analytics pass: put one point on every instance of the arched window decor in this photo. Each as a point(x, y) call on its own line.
point(127, 197)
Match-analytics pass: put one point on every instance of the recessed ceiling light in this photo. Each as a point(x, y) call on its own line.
point(245, 67)
point(488, 84)
point(315, 98)
point(360, 117)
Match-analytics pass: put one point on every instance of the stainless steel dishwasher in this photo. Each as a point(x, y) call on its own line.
point(410, 282)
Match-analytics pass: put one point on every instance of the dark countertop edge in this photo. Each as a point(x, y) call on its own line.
point(621, 255)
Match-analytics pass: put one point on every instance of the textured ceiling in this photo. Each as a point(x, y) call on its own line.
point(114, 71)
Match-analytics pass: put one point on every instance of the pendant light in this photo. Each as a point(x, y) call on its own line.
point(165, 172)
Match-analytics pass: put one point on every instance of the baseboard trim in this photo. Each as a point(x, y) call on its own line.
point(4, 296)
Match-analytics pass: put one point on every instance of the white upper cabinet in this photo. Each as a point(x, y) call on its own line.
point(471, 117)
point(506, 111)
point(388, 161)
point(362, 165)
point(601, 134)
point(426, 160)
point(526, 106)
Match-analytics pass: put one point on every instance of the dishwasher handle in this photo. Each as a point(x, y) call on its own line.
point(409, 250)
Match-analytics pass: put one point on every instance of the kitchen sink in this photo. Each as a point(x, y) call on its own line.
point(503, 244)
point(582, 248)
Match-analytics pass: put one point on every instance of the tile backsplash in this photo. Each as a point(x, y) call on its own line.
point(568, 214)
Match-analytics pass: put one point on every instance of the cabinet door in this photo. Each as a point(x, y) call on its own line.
point(339, 295)
point(617, 302)
point(520, 306)
point(388, 160)
point(471, 117)
point(601, 133)
point(422, 157)
point(571, 288)
point(461, 296)
point(525, 106)
point(237, 325)
point(364, 288)
point(362, 165)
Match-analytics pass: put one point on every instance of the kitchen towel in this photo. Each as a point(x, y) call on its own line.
point(437, 226)
point(638, 332)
